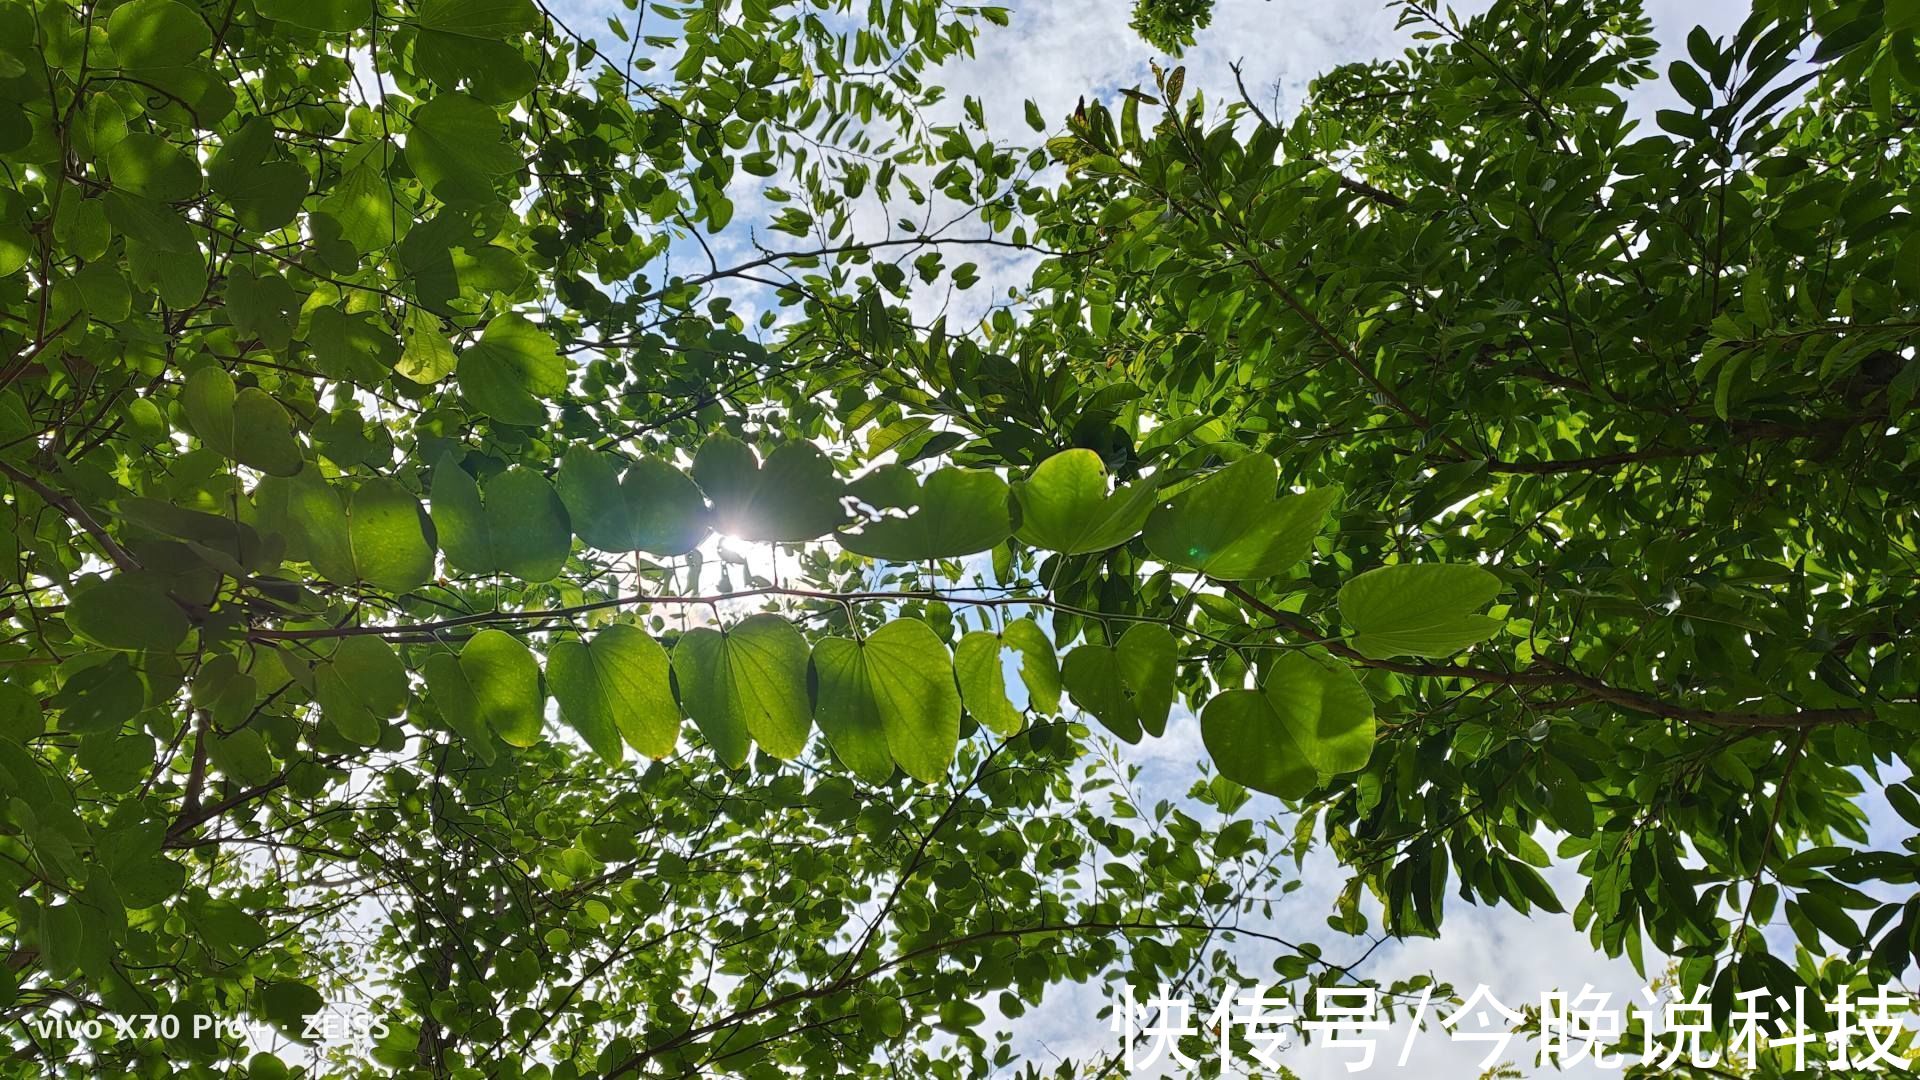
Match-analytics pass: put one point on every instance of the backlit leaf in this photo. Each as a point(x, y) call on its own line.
point(1309, 722)
point(1229, 526)
point(616, 685)
point(746, 684)
point(508, 371)
point(1419, 609)
point(889, 698)
point(956, 512)
point(1066, 506)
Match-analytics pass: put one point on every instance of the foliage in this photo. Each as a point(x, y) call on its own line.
point(1170, 25)
point(359, 396)
point(1654, 383)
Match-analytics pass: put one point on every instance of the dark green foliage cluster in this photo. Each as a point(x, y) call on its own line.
point(399, 425)
point(1170, 25)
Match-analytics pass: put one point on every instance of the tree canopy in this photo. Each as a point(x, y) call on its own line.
point(537, 533)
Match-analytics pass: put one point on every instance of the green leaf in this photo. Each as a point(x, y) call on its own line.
point(1690, 85)
point(354, 346)
point(748, 681)
point(249, 427)
point(233, 546)
point(848, 710)
point(509, 369)
point(505, 680)
point(618, 684)
point(265, 192)
point(362, 204)
point(654, 507)
point(16, 248)
point(518, 527)
point(1039, 668)
point(21, 718)
point(527, 532)
point(889, 698)
point(480, 18)
point(458, 148)
point(207, 397)
point(262, 307)
point(153, 168)
point(390, 536)
point(263, 434)
point(427, 355)
point(1232, 528)
point(794, 496)
point(310, 515)
point(1419, 609)
point(161, 43)
point(1566, 797)
point(362, 684)
point(154, 225)
point(957, 512)
point(242, 754)
point(983, 682)
point(380, 535)
point(327, 16)
point(452, 698)
point(1685, 125)
point(127, 613)
point(1127, 686)
point(979, 663)
point(1065, 505)
point(157, 33)
point(289, 1003)
point(1091, 674)
point(1145, 655)
point(1311, 722)
point(100, 697)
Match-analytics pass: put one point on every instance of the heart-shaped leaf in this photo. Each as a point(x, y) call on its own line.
point(128, 612)
point(978, 662)
point(517, 526)
point(794, 496)
point(458, 148)
point(361, 685)
point(1066, 506)
point(1127, 686)
point(505, 680)
point(1231, 527)
point(654, 507)
point(956, 512)
point(1311, 721)
point(746, 684)
point(508, 371)
point(380, 534)
point(616, 685)
point(889, 698)
point(1419, 609)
